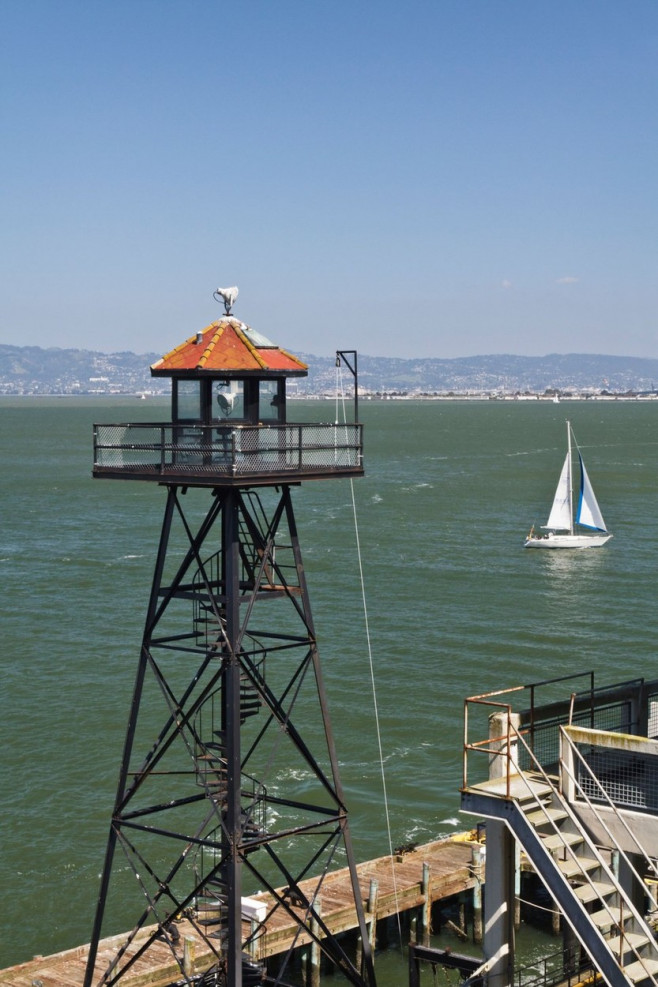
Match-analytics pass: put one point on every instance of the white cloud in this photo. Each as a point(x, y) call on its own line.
point(567, 280)
point(506, 284)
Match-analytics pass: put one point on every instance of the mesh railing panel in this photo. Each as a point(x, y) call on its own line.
point(234, 450)
point(652, 724)
point(545, 739)
point(628, 778)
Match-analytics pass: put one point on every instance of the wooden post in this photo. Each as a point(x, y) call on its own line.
point(371, 924)
point(570, 951)
point(372, 909)
point(189, 944)
point(477, 864)
point(316, 954)
point(426, 911)
point(555, 922)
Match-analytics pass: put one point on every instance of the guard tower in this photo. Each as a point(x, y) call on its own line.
point(229, 809)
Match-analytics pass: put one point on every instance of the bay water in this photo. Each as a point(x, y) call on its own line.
point(454, 607)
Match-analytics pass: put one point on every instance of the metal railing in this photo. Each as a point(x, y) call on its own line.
point(166, 448)
point(566, 967)
point(493, 746)
point(542, 707)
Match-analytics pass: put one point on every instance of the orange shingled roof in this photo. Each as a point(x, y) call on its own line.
point(226, 345)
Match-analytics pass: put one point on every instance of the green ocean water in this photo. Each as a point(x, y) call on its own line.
point(455, 606)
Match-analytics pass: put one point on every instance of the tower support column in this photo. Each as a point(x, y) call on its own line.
point(231, 714)
point(498, 944)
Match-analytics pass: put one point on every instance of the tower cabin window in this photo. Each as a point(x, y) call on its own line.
point(188, 400)
point(271, 401)
point(227, 400)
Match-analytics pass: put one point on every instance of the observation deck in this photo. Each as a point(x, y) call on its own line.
point(228, 424)
point(202, 455)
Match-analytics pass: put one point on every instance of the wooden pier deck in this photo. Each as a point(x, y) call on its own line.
point(399, 882)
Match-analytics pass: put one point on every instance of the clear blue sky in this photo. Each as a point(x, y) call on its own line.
point(442, 178)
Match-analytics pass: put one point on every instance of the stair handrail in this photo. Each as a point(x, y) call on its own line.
point(564, 735)
point(625, 900)
point(484, 746)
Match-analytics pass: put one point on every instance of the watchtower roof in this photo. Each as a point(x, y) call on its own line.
point(232, 347)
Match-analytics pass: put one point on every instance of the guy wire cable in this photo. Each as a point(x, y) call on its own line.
point(339, 379)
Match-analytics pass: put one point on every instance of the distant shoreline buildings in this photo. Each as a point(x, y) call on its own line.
point(32, 371)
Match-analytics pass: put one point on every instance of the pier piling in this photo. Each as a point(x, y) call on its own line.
point(426, 909)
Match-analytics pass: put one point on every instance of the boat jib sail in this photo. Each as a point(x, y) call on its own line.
point(588, 512)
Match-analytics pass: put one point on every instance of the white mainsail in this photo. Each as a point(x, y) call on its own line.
point(588, 513)
point(560, 517)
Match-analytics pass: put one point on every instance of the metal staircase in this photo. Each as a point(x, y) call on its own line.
point(581, 877)
point(584, 886)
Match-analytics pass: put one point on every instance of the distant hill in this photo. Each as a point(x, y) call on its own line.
point(505, 372)
point(33, 370)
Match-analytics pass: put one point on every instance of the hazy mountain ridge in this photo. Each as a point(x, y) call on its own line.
point(497, 372)
point(33, 370)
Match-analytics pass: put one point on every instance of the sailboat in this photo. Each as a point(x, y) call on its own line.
point(560, 529)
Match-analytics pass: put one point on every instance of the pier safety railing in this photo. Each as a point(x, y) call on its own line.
point(629, 707)
point(567, 967)
point(166, 450)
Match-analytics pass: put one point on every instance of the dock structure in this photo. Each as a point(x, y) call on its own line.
point(410, 881)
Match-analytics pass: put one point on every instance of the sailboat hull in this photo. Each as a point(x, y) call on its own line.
point(552, 540)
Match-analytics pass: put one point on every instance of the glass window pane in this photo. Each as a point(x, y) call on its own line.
point(227, 399)
point(189, 400)
point(269, 402)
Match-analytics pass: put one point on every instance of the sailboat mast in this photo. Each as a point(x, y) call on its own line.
point(569, 484)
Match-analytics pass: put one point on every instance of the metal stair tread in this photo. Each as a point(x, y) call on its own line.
point(641, 969)
point(630, 940)
point(553, 841)
point(539, 790)
point(603, 919)
point(539, 817)
point(592, 891)
point(578, 867)
point(519, 787)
